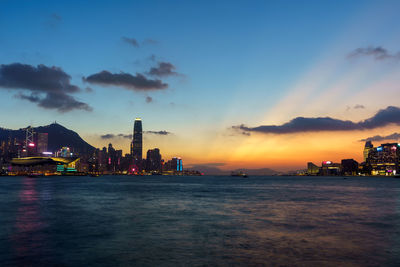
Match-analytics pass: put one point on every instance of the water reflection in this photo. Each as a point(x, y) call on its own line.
point(28, 238)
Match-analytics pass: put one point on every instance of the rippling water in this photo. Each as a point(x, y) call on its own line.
point(198, 221)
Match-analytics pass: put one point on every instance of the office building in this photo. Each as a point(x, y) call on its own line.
point(137, 143)
point(153, 160)
point(42, 143)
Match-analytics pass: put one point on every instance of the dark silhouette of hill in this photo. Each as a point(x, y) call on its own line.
point(213, 170)
point(58, 136)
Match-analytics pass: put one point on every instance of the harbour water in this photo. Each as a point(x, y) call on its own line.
point(199, 221)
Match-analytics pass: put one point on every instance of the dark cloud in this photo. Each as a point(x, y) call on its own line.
point(131, 41)
point(107, 136)
point(49, 87)
point(158, 132)
point(376, 138)
point(384, 117)
point(378, 53)
point(138, 82)
point(63, 103)
point(149, 99)
point(163, 69)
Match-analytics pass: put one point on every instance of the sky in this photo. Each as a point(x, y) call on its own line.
point(260, 84)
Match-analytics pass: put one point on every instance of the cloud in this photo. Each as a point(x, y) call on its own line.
point(53, 20)
point(61, 102)
point(384, 117)
point(138, 82)
point(107, 136)
point(158, 132)
point(131, 41)
point(163, 69)
point(150, 41)
point(376, 138)
point(377, 52)
point(112, 136)
point(149, 99)
point(129, 136)
point(358, 106)
point(49, 87)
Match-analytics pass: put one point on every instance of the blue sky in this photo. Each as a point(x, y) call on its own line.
point(236, 60)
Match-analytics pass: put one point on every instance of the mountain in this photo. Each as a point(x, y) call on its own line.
point(213, 170)
point(58, 136)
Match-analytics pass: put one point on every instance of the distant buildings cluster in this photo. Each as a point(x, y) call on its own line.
point(32, 155)
point(383, 160)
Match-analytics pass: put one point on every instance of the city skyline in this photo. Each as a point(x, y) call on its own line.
point(216, 83)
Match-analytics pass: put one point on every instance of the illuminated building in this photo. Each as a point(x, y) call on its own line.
point(174, 165)
point(384, 159)
point(153, 160)
point(349, 167)
point(64, 152)
point(329, 168)
point(312, 169)
point(368, 146)
point(137, 143)
point(42, 142)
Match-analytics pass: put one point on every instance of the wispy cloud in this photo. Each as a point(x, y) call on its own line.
point(131, 41)
point(384, 117)
point(129, 136)
point(377, 52)
point(377, 138)
point(158, 132)
point(163, 69)
point(134, 42)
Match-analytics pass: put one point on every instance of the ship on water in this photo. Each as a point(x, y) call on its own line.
point(239, 174)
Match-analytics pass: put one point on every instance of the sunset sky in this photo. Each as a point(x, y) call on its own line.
point(221, 83)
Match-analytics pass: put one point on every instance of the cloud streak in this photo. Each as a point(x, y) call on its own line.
point(129, 136)
point(48, 87)
point(377, 138)
point(163, 69)
point(377, 52)
point(384, 117)
point(131, 41)
point(158, 132)
point(136, 82)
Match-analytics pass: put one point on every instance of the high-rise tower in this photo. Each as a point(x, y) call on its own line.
point(137, 142)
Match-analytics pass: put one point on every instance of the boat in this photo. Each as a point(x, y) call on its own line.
point(239, 174)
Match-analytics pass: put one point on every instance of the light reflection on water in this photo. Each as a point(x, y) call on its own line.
point(304, 221)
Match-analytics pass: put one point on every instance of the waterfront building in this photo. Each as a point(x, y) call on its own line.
point(329, 168)
point(349, 167)
point(368, 146)
point(384, 159)
point(174, 165)
point(312, 169)
point(153, 160)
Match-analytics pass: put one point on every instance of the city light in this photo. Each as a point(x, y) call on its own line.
point(31, 144)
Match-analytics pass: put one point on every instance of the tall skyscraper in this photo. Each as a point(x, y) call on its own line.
point(137, 142)
point(368, 146)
